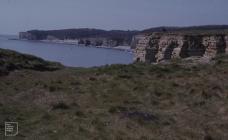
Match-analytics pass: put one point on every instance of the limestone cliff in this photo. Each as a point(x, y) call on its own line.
point(164, 46)
point(27, 35)
point(93, 37)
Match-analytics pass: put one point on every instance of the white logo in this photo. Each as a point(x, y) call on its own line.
point(11, 128)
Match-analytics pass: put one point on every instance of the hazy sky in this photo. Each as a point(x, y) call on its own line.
point(21, 15)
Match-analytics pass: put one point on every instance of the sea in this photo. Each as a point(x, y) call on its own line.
point(68, 55)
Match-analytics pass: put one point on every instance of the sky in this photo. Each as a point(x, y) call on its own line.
point(23, 15)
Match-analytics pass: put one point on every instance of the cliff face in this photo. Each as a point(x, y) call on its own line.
point(94, 37)
point(135, 40)
point(27, 35)
point(98, 41)
point(164, 46)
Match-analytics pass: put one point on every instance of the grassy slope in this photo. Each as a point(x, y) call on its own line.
point(11, 60)
point(118, 102)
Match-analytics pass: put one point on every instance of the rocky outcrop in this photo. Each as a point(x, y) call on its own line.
point(141, 51)
point(158, 47)
point(226, 40)
point(27, 36)
point(135, 40)
point(98, 41)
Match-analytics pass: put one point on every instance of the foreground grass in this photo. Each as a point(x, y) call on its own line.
point(118, 102)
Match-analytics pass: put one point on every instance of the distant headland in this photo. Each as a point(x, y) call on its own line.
point(118, 39)
point(84, 36)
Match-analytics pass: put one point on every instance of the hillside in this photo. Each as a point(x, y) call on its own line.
point(11, 61)
point(178, 100)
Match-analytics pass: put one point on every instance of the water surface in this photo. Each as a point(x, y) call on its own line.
point(68, 55)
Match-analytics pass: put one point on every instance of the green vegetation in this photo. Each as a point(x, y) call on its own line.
point(10, 60)
point(119, 102)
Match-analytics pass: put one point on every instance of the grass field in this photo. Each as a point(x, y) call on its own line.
point(175, 101)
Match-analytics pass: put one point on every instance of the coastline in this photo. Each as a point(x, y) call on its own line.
point(67, 42)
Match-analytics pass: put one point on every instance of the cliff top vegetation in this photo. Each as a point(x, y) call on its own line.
point(135, 102)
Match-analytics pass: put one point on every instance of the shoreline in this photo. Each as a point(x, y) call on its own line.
point(120, 48)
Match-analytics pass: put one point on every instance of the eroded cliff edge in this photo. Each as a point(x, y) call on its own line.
point(158, 47)
point(82, 36)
